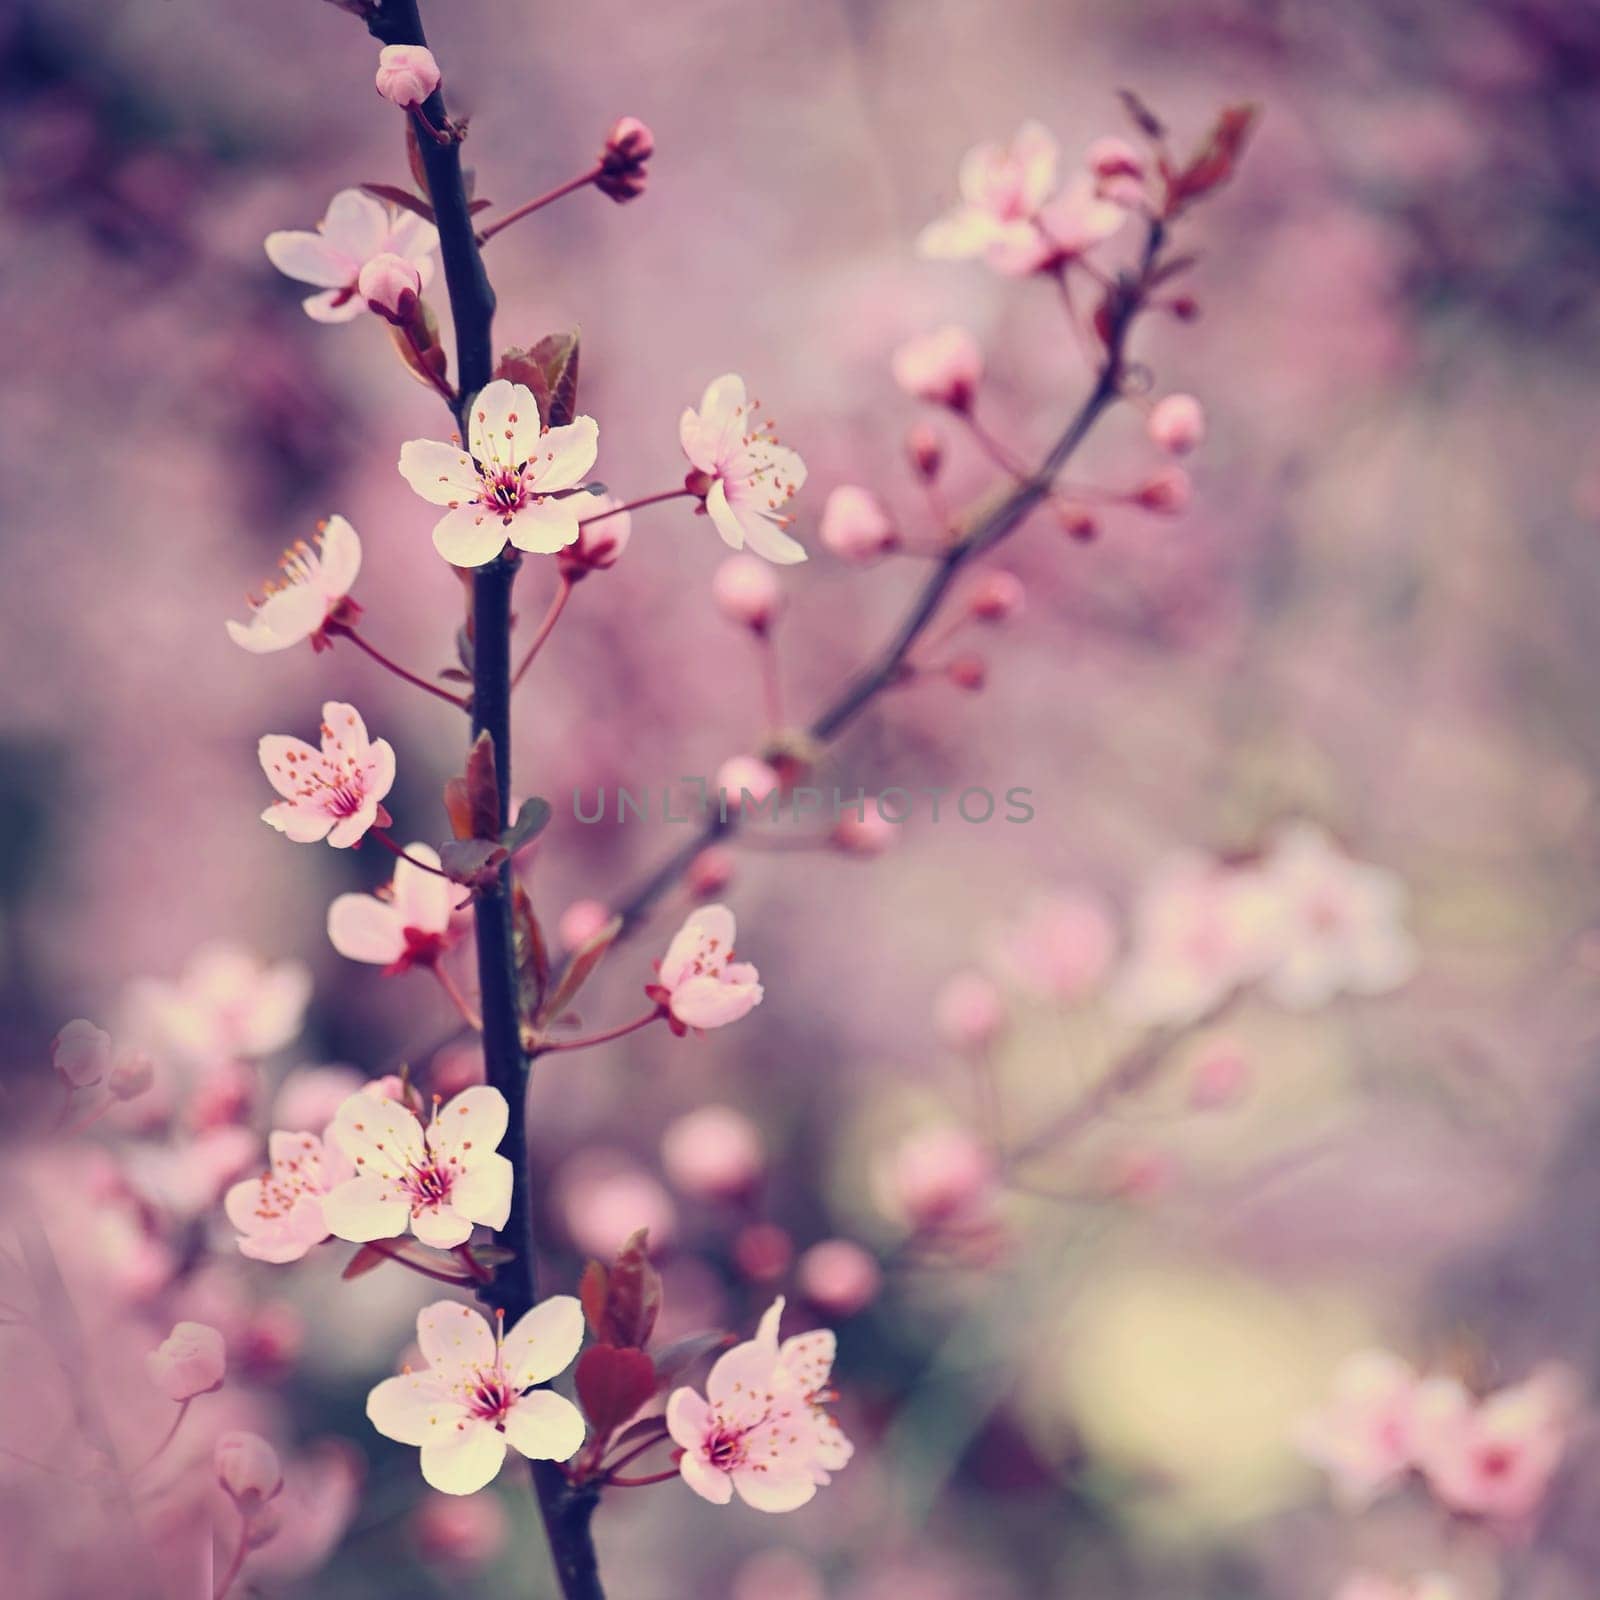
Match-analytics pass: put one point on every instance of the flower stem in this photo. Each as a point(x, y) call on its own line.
point(642, 1483)
point(638, 1450)
point(558, 604)
point(771, 681)
point(344, 630)
point(167, 1438)
point(606, 1037)
point(383, 1248)
point(388, 843)
point(528, 207)
point(457, 998)
point(242, 1550)
point(639, 504)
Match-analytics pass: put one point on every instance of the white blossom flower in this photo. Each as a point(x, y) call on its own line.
point(406, 924)
point(356, 229)
point(312, 592)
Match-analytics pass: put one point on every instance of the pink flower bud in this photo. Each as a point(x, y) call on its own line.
point(247, 1467)
point(1140, 1172)
point(1080, 525)
point(1168, 492)
point(629, 145)
point(132, 1075)
point(939, 1176)
point(714, 1153)
point(855, 526)
point(264, 1524)
point(968, 672)
point(941, 367)
point(763, 1251)
point(869, 834)
point(925, 449)
point(746, 592)
point(1221, 1077)
point(189, 1361)
point(580, 922)
point(603, 534)
point(1177, 424)
point(467, 1530)
point(407, 74)
point(997, 597)
point(969, 1012)
point(271, 1342)
point(741, 773)
point(1114, 158)
point(838, 1277)
point(224, 1097)
point(81, 1053)
point(390, 285)
point(710, 872)
point(1184, 307)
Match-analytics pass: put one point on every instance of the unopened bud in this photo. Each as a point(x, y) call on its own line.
point(855, 526)
point(407, 74)
point(1177, 424)
point(189, 1361)
point(998, 597)
point(968, 672)
point(942, 367)
point(710, 872)
point(746, 592)
point(629, 145)
point(390, 285)
point(925, 449)
point(969, 1012)
point(763, 1251)
point(1111, 157)
point(262, 1525)
point(580, 922)
point(1079, 524)
point(81, 1053)
point(1168, 492)
point(741, 775)
point(247, 1467)
point(132, 1075)
point(838, 1277)
point(1184, 307)
point(715, 1153)
point(869, 834)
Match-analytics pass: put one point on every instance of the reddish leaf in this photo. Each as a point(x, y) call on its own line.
point(471, 861)
point(1144, 119)
point(414, 157)
point(633, 1293)
point(592, 1297)
point(550, 370)
point(1214, 164)
point(459, 807)
point(396, 196)
point(532, 958)
point(613, 1383)
point(579, 969)
point(483, 788)
point(367, 1259)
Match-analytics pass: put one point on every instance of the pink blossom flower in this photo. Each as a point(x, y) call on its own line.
point(280, 1214)
point(1200, 931)
point(407, 74)
point(228, 1004)
point(1061, 947)
point(461, 1530)
point(437, 1179)
point(313, 591)
point(746, 592)
point(406, 924)
point(603, 534)
point(1339, 927)
point(331, 794)
point(867, 832)
point(390, 285)
point(936, 1178)
point(514, 484)
point(604, 1197)
point(1177, 423)
point(761, 1429)
point(748, 477)
point(839, 1277)
point(82, 1053)
point(715, 1153)
point(943, 367)
point(248, 1468)
point(1365, 1437)
point(580, 922)
point(189, 1361)
point(309, 1097)
point(740, 776)
point(855, 526)
point(969, 1012)
point(699, 982)
point(356, 229)
point(1003, 189)
point(1494, 1457)
point(997, 596)
point(477, 1394)
point(1066, 227)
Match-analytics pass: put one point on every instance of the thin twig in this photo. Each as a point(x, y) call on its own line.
point(344, 630)
point(528, 207)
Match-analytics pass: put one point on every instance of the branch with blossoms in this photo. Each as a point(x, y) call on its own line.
point(440, 1184)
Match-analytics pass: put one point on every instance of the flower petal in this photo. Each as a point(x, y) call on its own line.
point(545, 1427)
point(284, 759)
point(471, 1123)
point(413, 1408)
point(334, 305)
point(705, 1480)
point(441, 1226)
point(467, 1462)
point(469, 536)
point(299, 823)
point(364, 928)
point(543, 1342)
point(483, 1191)
point(544, 526)
point(775, 1491)
point(380, 1134)
point(688, 1418)
point(422, 900)
point(451, 1335)
point(443, 474)
point(365, 1207)
point(505, 424)
point(356, 223)
point(340, 554)
point(767, 539)
point(560, 458)
point(309, 258)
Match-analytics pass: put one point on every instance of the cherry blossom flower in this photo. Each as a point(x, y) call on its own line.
point(356, 229)
point(746, 592)
point(407, 74)
point(312, 592)
point(1340, 928)
point(1003, 188)
point(331, 794)
point(969, 1012)
point(1365, 1437)
point(855, 526)
point(839, 1277)
point(748, 477)
point(189, 1361)
point(1066, 227)
point(604, 1197)
point(406, 924)
point(477, 1394)
point(699, 982)
point(1061, 946)
point(437, 1179)
point(1494, 1457)
point(390, 285)
point(1177, 423)
point(761, 1429)
point(280, 1214)
point(938, 1178)
point(1200, 930)
point(228, 1004)
point(603, 534)
point(943, 367)
point(248, 1468)
point(715, 1153)
point(512, 487)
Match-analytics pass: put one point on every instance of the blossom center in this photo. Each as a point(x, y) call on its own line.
point(491, 1397)
point(428, 1184)
point(504, 489)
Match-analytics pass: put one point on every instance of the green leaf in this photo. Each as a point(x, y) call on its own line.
point(471, 861)
point(530, 823)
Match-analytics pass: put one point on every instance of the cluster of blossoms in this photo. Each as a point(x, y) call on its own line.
point(1491, 1456)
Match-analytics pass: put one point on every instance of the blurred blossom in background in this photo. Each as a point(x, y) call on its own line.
point(1202, 1176)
